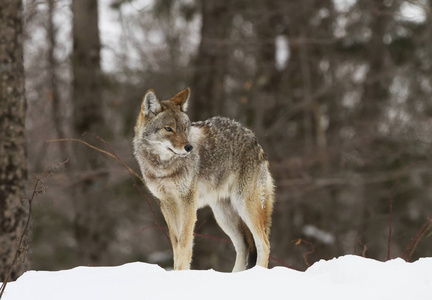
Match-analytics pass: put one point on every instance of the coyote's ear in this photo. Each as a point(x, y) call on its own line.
point(150, 104)
point(182, 98)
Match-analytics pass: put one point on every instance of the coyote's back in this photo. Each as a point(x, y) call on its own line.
point(216, 162)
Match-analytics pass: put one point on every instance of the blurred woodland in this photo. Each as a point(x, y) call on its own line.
point(339, 93)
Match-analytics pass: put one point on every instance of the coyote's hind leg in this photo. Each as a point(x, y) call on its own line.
point(254, 214)
point(230, 222)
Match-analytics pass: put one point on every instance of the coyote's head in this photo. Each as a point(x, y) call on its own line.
point(163, 126)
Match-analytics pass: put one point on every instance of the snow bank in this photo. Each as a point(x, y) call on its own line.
point(347, 277)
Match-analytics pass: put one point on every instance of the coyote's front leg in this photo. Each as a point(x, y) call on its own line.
point(180, 217)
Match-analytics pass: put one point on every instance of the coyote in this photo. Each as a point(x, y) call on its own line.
point(216, 162)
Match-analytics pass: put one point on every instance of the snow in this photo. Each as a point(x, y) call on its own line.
point(347, 277)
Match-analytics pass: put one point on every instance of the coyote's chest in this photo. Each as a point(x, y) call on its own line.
point(160, 188)
point(169, 184)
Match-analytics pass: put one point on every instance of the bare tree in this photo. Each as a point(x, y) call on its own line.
point(53, 79)
point(13, 168)
point(88, 116)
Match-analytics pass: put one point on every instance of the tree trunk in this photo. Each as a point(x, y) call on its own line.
point(211, 62)
point(53, 80)
point(13, 168)
point(265, 89)
point(90, 221)
point(374, 99)
point(376, 85)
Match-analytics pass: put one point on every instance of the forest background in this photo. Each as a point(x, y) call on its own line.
point(338, 93)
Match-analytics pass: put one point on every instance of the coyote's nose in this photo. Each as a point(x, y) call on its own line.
point(188, 148)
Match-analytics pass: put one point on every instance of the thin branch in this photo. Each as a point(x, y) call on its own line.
point(148, 227)
point(427, 225)
point(213, 237)
point(24, 235)
point(200, 225)
point(307, 253)
point(281, 263)
point(363, 245)
point(132, 173)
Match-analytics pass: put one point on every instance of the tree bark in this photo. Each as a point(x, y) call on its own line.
point(13, 167)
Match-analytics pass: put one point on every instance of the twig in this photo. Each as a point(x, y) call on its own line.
point(363, 245)
point(306, 254)
point(24, 235)
point(132, 173)
point(213, 237)
point(281, 263)
point(100, 150)
point(148, 227)
point(200, 225)
point(427, 225)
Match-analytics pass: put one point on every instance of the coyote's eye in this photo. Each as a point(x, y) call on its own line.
point(169, 129)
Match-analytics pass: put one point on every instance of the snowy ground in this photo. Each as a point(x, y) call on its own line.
point(347, 277)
